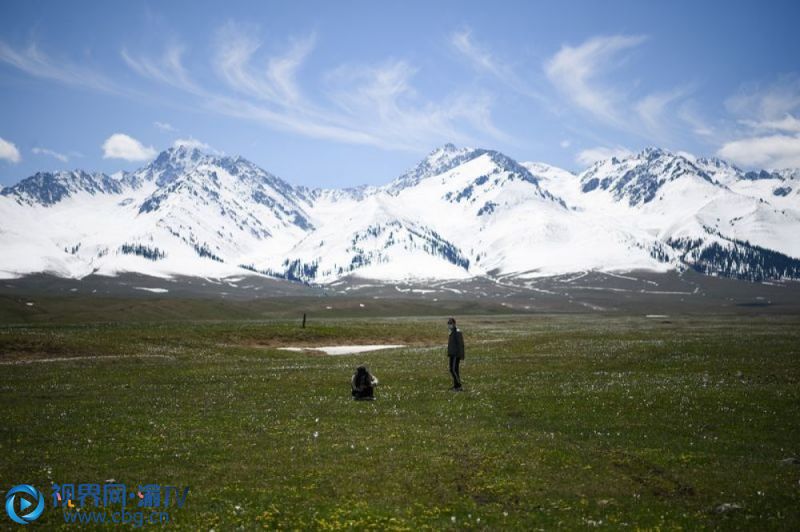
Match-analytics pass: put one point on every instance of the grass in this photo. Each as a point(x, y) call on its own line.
point(567, 422)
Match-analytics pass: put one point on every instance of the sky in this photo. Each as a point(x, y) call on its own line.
point(337, 94)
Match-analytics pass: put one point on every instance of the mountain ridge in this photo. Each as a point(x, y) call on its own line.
point(459, 213)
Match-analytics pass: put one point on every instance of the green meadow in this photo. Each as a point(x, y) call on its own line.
point(567, 421)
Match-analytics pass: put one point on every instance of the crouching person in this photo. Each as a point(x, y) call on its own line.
point(363, 384)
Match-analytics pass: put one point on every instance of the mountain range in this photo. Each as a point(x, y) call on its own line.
point(460, 213)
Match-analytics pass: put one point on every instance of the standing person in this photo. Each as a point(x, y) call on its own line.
point(455, 352)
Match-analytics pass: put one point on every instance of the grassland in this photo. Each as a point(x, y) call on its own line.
point(568, 421)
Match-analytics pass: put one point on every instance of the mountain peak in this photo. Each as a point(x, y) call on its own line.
point(48, 188)
point(639, 178)
point(652, 152)
point(437, 162)
point(171, 163)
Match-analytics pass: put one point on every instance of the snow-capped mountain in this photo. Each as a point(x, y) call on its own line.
point(182, 213)
point(679, 200)
point(460, 213)
point(45, 188)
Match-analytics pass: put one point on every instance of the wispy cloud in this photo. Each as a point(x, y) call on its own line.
point(687, 111)
point(375, 105)
point(652, 107)
point(788, 123)
point(164, 126)
point(759, 103)
point(484, 61)
point(575, 72)
point(600, 153)
point(39, 64)
point(167, 68)
point(235, 47)
point(9, 151)
point(192, 142)
point(54, 154)
point(122, 146)
point(768, 133)
point(589, 77)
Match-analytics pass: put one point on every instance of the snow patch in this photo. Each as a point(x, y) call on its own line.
point(342, 349)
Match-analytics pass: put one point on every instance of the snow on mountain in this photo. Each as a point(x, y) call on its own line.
point(437, 162)
point(461, 212)
point(182, 213)
point(560, 182)
point(674, 198)
point(407, 228)
point(46, 188)
point(781, 187)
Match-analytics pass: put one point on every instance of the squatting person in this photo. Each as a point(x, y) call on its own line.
point(363, 384)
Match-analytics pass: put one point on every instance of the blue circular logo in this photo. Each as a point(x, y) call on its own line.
point(30, 499)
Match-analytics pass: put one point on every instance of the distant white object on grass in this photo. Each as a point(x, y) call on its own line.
point(656, 316)
point(342, 349)
point(154, 290)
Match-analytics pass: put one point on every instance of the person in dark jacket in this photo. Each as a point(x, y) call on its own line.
point(363, 384)
point(455, 352)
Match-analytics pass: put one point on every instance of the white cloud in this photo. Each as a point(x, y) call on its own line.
point(565, 143)
point(122, 146)
point(575, 71)
point(164, 126)
point(600, 153)
point(56, 155)
point(9, 151)
point(192, 143)
point(772, 151)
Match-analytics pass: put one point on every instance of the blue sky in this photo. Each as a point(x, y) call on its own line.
point(343, 93)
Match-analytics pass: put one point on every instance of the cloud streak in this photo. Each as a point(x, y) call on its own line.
point(54, 154)
point(575, 72)
point(36, 63)
point(484, 61)
point(164, 126)
point(373, 105)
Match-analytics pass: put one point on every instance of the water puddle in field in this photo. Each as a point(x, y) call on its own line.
point(342, 349)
